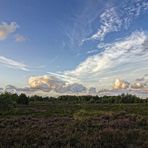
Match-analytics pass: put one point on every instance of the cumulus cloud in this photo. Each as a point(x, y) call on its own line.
point(35, 82)
point(6, 29)
point(51, 83)
point(41, 85)
point(13, 64)
point(120, 84)
point(71, 89)
point(45, 83)
point(75, 88)
point(137, 85)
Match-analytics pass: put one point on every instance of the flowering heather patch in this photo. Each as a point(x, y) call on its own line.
point(99, 131)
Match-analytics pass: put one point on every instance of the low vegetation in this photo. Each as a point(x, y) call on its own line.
point(73, 121)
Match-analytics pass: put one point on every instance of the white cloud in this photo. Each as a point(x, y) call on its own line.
point(92, 51)
point(50, 83)
point(110, 22)
point(137, 85)
point(20, 38)
point(114, 54)
point(114, 19)
point(68, 79)
point(6, 29)
point(138, 92)
point(132, 10)
point(26, 90)
point(120, 84)
point(13, 64)
point(51, 86)
point(35, 82)
point(45, 83)
point(75, 88)
point(115, 60)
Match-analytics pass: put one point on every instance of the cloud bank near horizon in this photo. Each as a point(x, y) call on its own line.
point(51, 86)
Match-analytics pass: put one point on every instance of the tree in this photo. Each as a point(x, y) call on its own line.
point(6, 103)
point(23, 99)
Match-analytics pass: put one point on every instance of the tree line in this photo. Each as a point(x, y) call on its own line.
point(8, 100)
point(123, 98)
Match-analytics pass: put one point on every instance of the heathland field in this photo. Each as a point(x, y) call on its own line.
point(42, 123)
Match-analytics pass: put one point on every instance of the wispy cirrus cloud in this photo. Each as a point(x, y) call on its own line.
point(126, 54)
point(114, 19)
point(20, 38)
point(6, 29)
point(131, 10)
point(92, 51)
point(82, 23)
point(13, 64)
point(110, 22)
point(113, 54)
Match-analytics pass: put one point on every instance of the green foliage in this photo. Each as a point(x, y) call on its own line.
point(23, 99)
point(68, 105)
point(124, 98)
point(6, 102)
point(14, 97)
point(83, 114)
point(9, 101)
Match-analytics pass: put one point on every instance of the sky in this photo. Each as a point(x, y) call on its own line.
point(56, 47)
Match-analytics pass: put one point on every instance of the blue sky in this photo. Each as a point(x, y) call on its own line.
point(73, 46)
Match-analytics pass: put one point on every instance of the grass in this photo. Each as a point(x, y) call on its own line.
point(47, 109)
point(84, 114)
